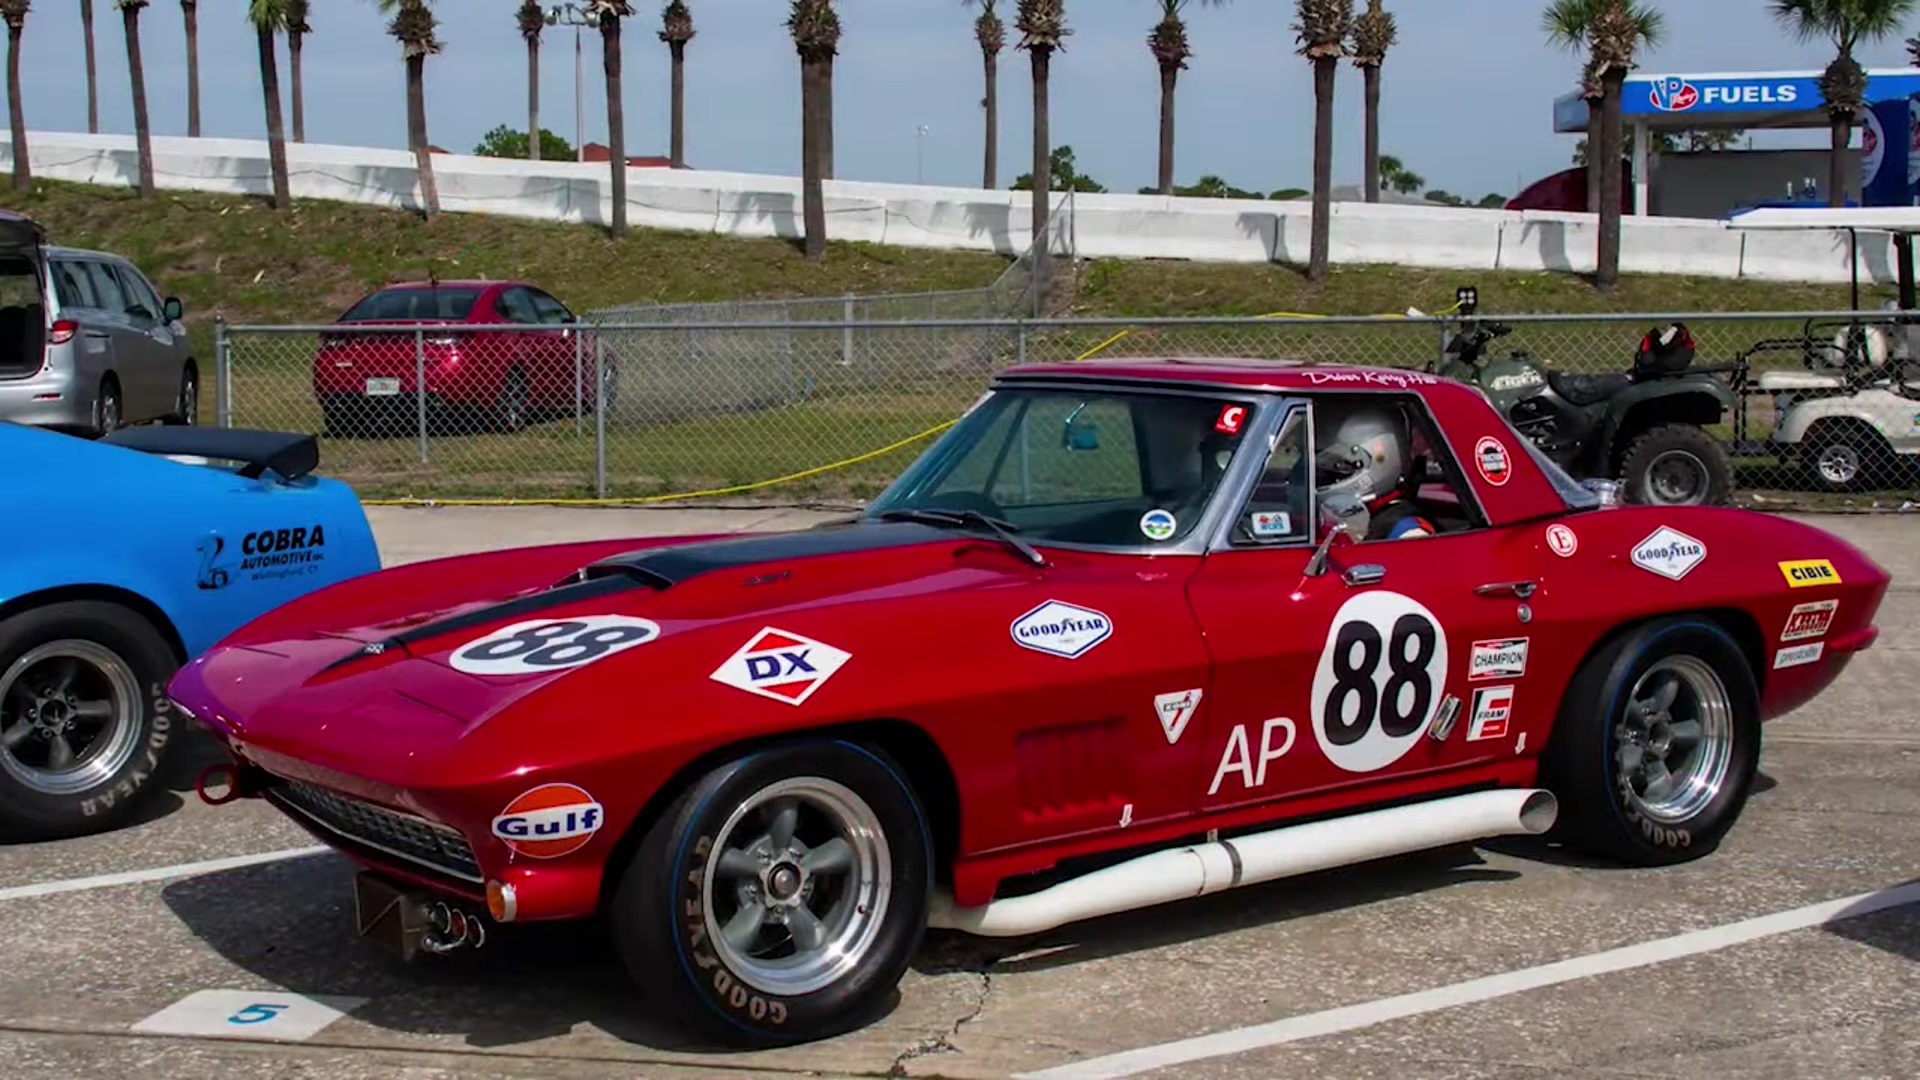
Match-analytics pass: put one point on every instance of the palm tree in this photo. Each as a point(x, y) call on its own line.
point(815, 27)
point(676, 29)
point(1611, 30)
point(991, 33)
point(1170, 48)
point(532, 22)
point(297, 30)
point(269, 17)
point(1043, 32)
point(413, 27)
point(1373, 35)
point(137, 75)
point(190, 11)
point(608, 14)
point(1322, 36)
point(15, 13)
point(1844, 23)
point(93, 82)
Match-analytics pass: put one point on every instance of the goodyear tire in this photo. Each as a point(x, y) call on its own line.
point(781, 897)
point(1660, 769)
point(85, 724)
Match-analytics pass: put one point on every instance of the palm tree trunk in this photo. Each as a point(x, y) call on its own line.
point(677, 138)
point(276, 131)
point(294, 41)
point(17, 114)
point(826, 118)
point(533, 99)
point(191, 13)
point(417, 134)
point(1042, 139)
point(1607, 268)
point(1595, 137)
point(137, 75)
point(616, 121)
point(813, 201)
point(1842, 134)
point(1370, 82)
point(93, 81)
point(1169, 75)
point(990, 171)
point(1323, 76)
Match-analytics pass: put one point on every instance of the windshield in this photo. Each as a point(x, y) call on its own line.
point(1101, 467)
point(451, 304)
point(1576, 495)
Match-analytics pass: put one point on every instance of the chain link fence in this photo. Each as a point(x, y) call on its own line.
point(1826, 405)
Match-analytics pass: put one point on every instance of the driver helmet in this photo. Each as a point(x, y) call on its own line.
point(1361, 450)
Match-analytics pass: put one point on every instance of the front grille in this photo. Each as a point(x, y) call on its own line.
point(403, 836)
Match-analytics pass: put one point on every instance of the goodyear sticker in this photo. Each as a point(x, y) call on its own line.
point(1807, 573)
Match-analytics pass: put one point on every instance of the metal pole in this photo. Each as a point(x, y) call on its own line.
point(420, 388)
point(846, 338)
point(579, 362)
point(222, 375)
point(579, 101)
point(599, 418)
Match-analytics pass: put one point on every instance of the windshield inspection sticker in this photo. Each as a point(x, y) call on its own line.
point(1669, 553)
point(1158, 524)
point(1271, 523)
point(537, 645)
point(1061, 629)
point(1809, 620)
point(781, 665)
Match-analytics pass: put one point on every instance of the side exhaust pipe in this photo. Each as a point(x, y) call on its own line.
point(1182, 873)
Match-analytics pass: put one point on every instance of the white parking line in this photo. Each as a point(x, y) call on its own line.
point(160, 873)
point(1366, 1014)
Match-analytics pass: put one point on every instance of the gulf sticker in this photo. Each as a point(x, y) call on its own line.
point(549, 821)
point(1490, 457)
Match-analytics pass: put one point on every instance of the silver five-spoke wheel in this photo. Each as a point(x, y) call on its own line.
point(69, 716)
point(1673, 745)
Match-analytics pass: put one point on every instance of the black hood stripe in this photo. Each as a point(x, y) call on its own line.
point(521, 605)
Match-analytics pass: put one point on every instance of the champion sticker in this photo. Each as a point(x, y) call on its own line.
point(1490, 457)
point(549, 821)
point(1497, 658)
point(781, 665)
point(1809, 620)
point(1562, 541)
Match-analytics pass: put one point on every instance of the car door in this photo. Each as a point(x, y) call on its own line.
point(538, 352)
point(1331, 683)
point(573, 351)
point(162, 357)
point(132, 347)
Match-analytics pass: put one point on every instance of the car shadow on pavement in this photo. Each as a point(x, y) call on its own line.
point(292, 924)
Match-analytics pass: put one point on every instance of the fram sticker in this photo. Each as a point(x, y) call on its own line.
point(1562, 541)
point(549, 821)
point(1492, 710)
point(1490, 457)
point(1809, 620)
point(1231, 417)
point(1796, 655)
point(1497, 658)
point(1807, 573)
point(1175, 710)
point(781, 665)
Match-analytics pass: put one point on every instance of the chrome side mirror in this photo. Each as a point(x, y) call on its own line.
point(1340, 515)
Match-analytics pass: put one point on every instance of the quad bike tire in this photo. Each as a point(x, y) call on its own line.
point(1691, 453)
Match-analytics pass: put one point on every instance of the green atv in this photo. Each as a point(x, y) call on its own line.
point(1644, 428)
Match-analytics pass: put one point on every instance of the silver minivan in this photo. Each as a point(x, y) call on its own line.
point(85, 341)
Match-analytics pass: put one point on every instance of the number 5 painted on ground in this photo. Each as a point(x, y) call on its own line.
point(255, 1014)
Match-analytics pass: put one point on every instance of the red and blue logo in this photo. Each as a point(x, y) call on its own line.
point(549, 821)
point(1673, 94)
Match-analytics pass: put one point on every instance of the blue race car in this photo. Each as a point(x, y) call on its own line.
point(125, 557)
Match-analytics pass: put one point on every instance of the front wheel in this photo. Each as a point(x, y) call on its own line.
point(1676, 465)
point(1655, 748)
point(1847, 456)
point(781, 897)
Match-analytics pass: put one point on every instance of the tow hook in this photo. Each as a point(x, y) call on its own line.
point(224, 774)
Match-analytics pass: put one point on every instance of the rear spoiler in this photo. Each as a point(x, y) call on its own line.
point(290, 455)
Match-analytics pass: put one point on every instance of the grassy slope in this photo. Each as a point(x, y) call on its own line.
point(236, 258)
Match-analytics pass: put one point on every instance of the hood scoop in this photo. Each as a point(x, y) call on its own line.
point(664, 567)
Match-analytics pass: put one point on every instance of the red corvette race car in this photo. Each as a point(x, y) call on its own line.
point(1129, 632)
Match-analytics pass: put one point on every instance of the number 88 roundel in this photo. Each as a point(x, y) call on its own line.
point(1379, 682)
point(538, 645)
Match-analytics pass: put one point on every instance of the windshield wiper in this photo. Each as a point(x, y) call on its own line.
point(1005, 530)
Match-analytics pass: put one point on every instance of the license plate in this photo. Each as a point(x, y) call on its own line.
point(382, 387)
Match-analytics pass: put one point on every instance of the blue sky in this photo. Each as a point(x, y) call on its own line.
point(1467, 95)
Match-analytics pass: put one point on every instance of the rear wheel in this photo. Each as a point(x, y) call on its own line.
point(1676, 465)
point(780, 899)
point(1657, 741)
point(1846, 455)
point(186, 408)
point(510, 408)
point(84, 717)
point(107, 414)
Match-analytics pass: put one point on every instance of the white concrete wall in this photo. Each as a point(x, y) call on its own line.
point(1104, 226)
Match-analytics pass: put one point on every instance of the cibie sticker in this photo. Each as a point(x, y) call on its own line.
point(1561, 540)
point(1497, 658)
point(538, 645)
point(1490, 457)
point(1379, 681)
point(1806, 573)
point(1157, 524)
point(1796, 655)
point(1492, 711)
point(549, 821)
point(781, 665)
point(1809, 620)
point(1175, 710)
point(1061, 629)
point(1669, 553)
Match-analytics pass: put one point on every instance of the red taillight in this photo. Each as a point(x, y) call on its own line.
point(62, 332)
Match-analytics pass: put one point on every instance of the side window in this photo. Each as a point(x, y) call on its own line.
point(516, 306)
point(108, 295)
point(138, 292)
point(1385, 450)
point(1069, 449)
point(1280, 508)
point(72, 285)
point(549, 310)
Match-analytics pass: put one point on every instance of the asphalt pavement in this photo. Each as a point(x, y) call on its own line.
point(1794, 951)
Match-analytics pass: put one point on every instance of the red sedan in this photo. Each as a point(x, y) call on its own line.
point(1129, 632)
point(443, 344)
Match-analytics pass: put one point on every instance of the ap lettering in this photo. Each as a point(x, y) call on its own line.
point(762, 668)
point(1239, 757)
